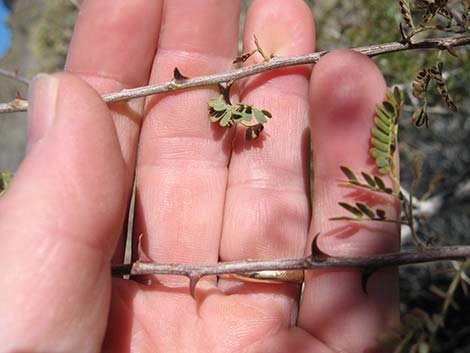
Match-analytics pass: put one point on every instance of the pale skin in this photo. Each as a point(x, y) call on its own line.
point(200, 199)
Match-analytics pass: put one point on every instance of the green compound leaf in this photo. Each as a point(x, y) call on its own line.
point(361, 212)
point(384, 133)
point(5, 179)
point(370, 182)
point(229, 114)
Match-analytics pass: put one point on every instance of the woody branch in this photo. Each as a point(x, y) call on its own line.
point(180, 83)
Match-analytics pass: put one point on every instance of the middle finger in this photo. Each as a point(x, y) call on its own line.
point(182, 160)
point(268, 206)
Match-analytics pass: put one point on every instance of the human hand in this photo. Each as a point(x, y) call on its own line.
point(200, 199)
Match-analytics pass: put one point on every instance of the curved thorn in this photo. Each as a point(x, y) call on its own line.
point(178, 76)
point(141, 254)
point(317, 255)
point(365, 276)
point(193, 279)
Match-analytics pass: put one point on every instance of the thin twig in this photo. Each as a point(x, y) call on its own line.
point(14, 76)
point(278, 62)
point(274, 63)
point(305, 263)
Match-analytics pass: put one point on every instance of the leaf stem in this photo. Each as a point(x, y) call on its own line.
point(386, 220)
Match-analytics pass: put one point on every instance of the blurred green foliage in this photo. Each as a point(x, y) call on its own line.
point(51, 35)
point(343, 24)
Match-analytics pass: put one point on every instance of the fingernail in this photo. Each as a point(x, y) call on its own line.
point(42, 107)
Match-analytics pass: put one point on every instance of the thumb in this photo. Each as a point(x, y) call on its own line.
point(59, 222)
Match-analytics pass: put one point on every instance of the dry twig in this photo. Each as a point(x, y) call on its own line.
point(318, 261)
point(14, 76)
point(274, 63)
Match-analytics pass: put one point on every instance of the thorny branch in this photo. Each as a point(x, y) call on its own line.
point(316, 261)
point(274, 63)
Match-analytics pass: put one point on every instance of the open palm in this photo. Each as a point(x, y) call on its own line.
point(204, 194)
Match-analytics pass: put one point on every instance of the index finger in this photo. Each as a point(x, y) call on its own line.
point(113, 48)
point(114, 42)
